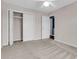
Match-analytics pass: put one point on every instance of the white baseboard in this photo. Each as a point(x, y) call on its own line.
point(4, 45)
point(66, 43)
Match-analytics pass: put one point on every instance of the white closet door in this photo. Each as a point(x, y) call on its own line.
point(45, 27)
point(10, 27)
point(28, 27)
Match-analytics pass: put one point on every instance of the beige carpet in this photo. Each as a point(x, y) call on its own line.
point(38, 49)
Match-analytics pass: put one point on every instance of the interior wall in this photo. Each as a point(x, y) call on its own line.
point(66, 24)
point(16, 29)
point(4, 25)
point(38, 28)
point(4, 20)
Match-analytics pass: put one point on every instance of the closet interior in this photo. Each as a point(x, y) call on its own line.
point(17, 26)
point(52, 27)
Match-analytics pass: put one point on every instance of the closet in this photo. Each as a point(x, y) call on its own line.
point(48, 27)
point(27, 26)
point(22, 27)
point(17, 26)
point(52, 27)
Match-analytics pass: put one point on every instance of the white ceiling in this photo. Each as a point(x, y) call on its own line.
point(36, 5)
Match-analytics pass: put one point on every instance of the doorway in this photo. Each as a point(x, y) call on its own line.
point(52, 27)
point(17, 27)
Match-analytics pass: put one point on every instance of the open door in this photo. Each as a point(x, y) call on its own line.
point(10, 27)
point(52, 27)
point(45, 27)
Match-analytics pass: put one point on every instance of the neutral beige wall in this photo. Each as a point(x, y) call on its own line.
point(38, 28)
point(66, 24)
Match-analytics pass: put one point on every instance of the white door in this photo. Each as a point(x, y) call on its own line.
point(28, 27)
point(10, 27)
point(45, 27)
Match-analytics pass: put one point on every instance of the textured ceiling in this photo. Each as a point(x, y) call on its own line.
point(36, 5)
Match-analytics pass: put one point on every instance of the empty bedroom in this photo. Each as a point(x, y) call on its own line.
point(38, 29)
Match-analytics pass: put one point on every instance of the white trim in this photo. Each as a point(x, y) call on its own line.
point(10, 26)
point(66, 43)
point(19, 11)
point(10, 42)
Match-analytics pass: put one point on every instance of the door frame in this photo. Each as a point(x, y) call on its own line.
point(10, 25)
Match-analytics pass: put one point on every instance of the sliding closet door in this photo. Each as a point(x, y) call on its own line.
point(28, 27)
point(45, 27)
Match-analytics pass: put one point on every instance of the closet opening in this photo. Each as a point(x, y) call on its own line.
point(17, 27)
point(52, 27)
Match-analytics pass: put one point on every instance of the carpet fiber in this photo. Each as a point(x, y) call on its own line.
point(38, 49)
